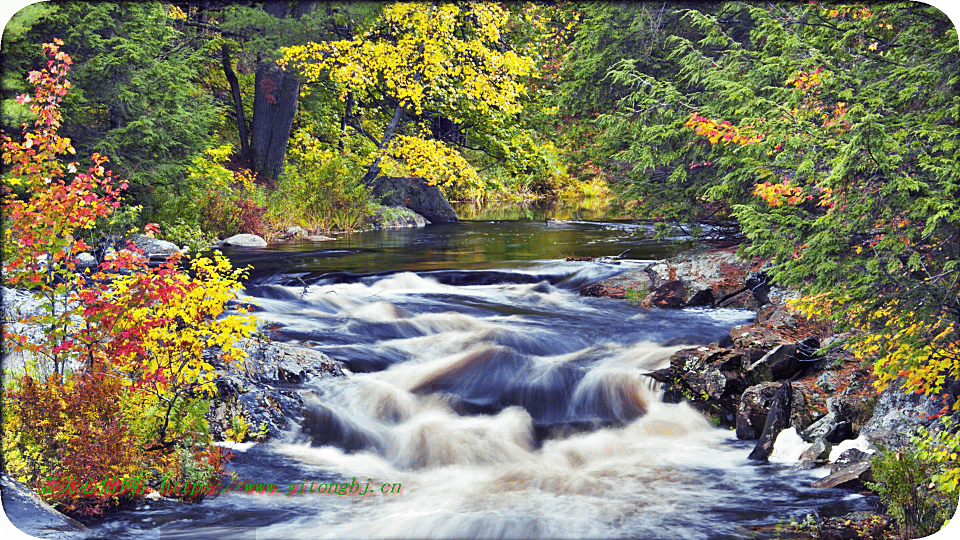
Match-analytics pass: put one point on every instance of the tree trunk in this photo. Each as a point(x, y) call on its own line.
point(237, 102)
point(274, 107)
point(388, 133)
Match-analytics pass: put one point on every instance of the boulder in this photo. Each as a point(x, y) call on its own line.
point(819, 451)
point(840, 432)
point(759, 285)
point(86, 260)
point(755, 404)
point(898, 415)
point(778, 418)
point(850, 476)
point(821, 428)
point(415, 194)
point(28, 513)
point(669, 295)
point(153, 247)
point(295, 231)
point(711, 377)
point(778, 364)
point(703, 298)
point(244, 240)
point(396, 217)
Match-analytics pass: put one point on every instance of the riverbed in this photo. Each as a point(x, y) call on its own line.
point(503, 403)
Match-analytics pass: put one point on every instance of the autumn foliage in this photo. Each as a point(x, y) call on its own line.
point(116, 382)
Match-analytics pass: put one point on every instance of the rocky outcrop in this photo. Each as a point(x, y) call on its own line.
point(898, 415)
point(261, 396)
point(415, 194)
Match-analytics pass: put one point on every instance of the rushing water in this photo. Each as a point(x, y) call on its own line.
point(503, 403)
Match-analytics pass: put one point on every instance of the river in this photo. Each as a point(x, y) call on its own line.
point(504, 404)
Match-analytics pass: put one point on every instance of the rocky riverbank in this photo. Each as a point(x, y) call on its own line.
point(770, 382)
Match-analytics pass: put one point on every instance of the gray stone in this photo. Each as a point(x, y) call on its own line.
point(396, 217)
point(821, 427)
point(818, 451)
point(258, 392)
point(86, 260)
point(778, 364)
point(319, 238)
point(897, 415)
point(778, 418)
point(415, 194)
point(33, 516)
point(295, 231)
point(153, 247)
point(755, 404)
point(828, 381)
point(245, 240)
point(846, 476)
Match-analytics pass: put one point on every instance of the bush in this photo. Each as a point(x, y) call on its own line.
point(917, 504)
point(115, 383)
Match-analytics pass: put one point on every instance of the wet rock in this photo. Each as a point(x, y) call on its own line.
point(848, 476)
point(244, 240)
point(258, 396)
point(819, 452)
point(842, 431)
point(712, 378)
point(778, 364)
point(415, 194)
point(669, 295)
point(755, 405)
point(703, 298)
point(778, 418)
point(32, 516)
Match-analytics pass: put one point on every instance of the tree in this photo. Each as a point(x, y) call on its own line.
point(261, 32)
point(433, 72)
point(831, 132)
point(134, 336)
point(118, 105)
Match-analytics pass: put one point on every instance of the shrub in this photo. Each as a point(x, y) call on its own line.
point(117, 382)
point(917, 505)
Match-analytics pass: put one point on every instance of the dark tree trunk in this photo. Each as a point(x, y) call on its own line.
point(388, 133)
point(274, 107)
point(237, 102)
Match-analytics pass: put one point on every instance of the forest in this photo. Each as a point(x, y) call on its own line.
point(821, 136)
